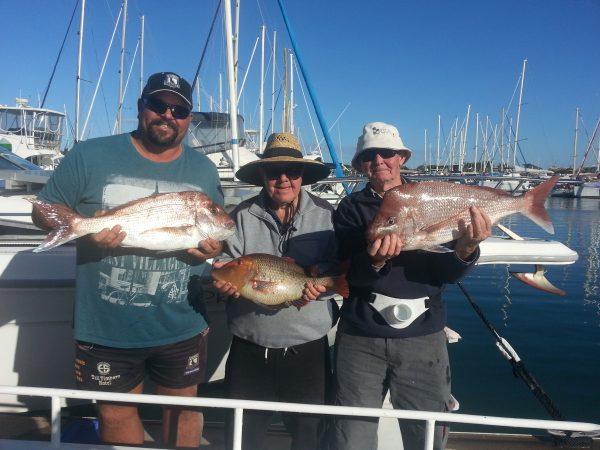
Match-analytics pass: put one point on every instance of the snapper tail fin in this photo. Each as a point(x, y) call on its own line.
point(337, 283)
point(61, 219)
point(534, 204)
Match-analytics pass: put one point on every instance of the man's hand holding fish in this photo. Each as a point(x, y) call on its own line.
point(473, 234)
point(108, 237)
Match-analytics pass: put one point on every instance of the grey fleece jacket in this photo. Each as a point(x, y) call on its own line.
point(310, 241)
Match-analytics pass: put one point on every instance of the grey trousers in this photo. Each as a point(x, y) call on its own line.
point(415, 370)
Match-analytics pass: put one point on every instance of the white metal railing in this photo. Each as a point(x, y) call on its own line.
point(56, 395)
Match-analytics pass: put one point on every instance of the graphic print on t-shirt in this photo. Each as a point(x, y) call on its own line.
point(144, 281)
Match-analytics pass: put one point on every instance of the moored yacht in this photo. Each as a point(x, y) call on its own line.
point(32, 133)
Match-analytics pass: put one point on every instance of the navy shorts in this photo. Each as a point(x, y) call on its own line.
point(178, 365)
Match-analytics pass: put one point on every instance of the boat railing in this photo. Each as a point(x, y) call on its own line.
point(57, 397)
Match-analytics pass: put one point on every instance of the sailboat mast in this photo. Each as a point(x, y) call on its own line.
point(575, 140)
point(519, 114)
point(291, 96)
point(439, 131)
point(142, 19)
point(78, 78)
point(273, 57)
point(232, 86)
point(121, 69)
point(261, 99)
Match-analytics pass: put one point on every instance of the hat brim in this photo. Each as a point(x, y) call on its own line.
point(312, 171)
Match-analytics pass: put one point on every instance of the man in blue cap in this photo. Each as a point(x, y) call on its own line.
point(139, 313)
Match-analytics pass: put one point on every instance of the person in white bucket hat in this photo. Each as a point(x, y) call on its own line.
point(379, 135)
point(390, 334)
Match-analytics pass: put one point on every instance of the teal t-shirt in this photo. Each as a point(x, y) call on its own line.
point(130, 298)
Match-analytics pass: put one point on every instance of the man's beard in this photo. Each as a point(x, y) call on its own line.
point(159, 139)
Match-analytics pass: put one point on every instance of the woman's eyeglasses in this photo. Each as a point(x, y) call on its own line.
point(160, 107)
point(369, 155)
point(275, 172)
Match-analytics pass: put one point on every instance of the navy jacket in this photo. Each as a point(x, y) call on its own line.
point(412, 274)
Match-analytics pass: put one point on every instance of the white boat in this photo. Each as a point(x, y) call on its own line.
point(32, 133)
point(510, 182)
point(587, 189)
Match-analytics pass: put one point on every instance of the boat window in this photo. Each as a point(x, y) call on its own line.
point(11, 121)
point(212, 131)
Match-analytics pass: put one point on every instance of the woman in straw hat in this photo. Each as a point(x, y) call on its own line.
point(281, 355)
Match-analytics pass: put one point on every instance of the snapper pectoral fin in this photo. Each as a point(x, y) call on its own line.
point(169, 231)
point(438, 249)
point(266, 287)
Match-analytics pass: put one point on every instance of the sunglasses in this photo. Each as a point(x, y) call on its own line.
point(275, 172)
point(369, 155)
point(160, 107)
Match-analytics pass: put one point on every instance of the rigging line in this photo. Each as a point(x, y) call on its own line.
point(62, 46)
point(519, 368)
point(212, 26)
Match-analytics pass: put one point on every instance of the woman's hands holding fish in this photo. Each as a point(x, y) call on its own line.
point(380, 250)
point(224, 287)
point(311, 291)
point(209, 248)
point(477, 231)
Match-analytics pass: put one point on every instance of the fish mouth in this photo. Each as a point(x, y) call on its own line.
point(378, 233)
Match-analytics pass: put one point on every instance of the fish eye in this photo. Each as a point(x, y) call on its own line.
point(391, 220)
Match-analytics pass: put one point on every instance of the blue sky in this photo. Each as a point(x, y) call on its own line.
point(401, 62)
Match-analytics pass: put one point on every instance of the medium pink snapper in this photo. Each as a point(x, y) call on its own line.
point(165, 222)
point(426, 214)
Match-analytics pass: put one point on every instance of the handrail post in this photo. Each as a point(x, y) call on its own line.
point(238, 422)
point(55, 424)
point(429, 435)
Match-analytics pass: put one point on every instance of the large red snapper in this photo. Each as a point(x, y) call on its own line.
point(426, 214)
point(273, 281)
point(167, 222)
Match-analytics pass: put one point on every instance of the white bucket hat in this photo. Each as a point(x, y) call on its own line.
point(379, 135)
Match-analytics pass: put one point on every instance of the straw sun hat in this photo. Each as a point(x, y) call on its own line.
point(282, 149)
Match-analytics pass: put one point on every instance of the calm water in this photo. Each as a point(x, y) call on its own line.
point(557, 338)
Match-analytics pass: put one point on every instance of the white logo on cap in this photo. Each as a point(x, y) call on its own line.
point(172, 81)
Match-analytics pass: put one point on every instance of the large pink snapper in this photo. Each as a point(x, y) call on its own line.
point(426, 215)
point(168, 222)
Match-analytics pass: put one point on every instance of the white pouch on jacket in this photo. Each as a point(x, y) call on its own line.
point(399, 312)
